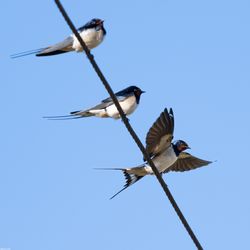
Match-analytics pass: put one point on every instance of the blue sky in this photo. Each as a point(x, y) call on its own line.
point(192, 56)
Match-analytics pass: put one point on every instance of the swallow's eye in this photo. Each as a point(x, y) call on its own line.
point(137, 92)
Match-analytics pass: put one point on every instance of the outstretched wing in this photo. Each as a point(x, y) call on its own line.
point(187, 162)
point(160, 135)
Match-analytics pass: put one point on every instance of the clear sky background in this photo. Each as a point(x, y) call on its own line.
point(192, 56)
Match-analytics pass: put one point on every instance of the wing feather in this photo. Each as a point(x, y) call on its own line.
point(186, 162)
point(58, 48)
point(119, 98)
point(160, 135)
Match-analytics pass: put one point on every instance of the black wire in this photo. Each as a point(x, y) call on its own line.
point(128, 126)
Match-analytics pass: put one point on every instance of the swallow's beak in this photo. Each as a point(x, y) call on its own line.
point(188, 147)
point(143, 91)
point(100, 22)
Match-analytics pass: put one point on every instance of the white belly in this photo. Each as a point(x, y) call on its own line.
point(163, 161)
point(98, 112)
point(128, 106)
point(91, 37)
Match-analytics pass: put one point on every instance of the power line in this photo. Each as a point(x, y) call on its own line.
point(128, 126)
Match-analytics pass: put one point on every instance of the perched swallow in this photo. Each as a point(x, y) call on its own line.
point(128, 98)
point(166, 155)
point(92, 34)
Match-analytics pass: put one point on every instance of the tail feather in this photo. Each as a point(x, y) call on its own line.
point(26, 53)
point(62, 117)
point(109, 169)
point(72, 115)
point(130, 179)
point(39, 52)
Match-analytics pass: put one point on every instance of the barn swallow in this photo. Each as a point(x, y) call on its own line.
point(92, 34)
point(165, 154)
point(128, 98)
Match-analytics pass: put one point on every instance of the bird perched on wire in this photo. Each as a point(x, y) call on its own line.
point(128, 98)
point(166, 155)
point(92, 33)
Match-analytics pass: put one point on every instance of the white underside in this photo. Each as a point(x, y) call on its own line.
point(163, 161)
point(91, 37)
point(128, 106)
point(98, 112)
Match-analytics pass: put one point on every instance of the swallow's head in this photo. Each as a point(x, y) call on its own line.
point(181, 145)
point(133, 89)
point(94, 23)
point(137, 92)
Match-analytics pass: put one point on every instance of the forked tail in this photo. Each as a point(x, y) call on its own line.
point(26, 53)
point(62, 117)
point(73, 115)
point(130, 178)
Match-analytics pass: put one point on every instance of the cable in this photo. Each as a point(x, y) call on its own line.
point(128, 126)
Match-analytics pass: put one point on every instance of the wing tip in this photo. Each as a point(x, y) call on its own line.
point(52, 53)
